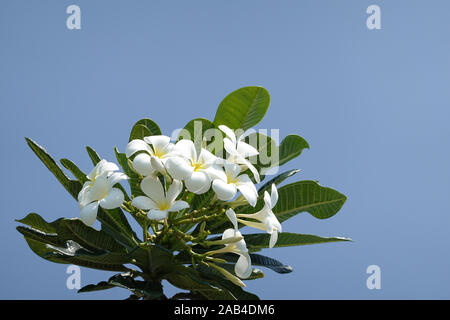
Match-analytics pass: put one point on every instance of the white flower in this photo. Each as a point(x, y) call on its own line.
point(197, 171)
point(239, 150)
point(243, 267)
point(268, 220)
point(99, 190)
point(226, 189)
point(158, 202)
point(157, 150)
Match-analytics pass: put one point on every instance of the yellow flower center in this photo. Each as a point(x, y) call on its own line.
point(163, 206)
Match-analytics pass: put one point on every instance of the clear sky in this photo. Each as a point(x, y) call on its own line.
point(373, 104)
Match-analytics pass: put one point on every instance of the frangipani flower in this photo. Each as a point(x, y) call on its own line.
point(158, 201)
point(197, 171)
point(157, 150)
point(267, 219)
point(226, 189)
point(239, 150)
point(243, 267)
point(99, 190)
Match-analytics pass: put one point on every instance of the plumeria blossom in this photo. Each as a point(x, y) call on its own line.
point(243, 267)
point(239, 150)
point(267, 219)
point(157, 200)
point(227, 187)
point(157, 149)
point(197, 170)
point(99, 191)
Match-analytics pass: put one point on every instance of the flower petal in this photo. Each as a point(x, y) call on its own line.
point(179, 168)
point(228, 132)
point(230, 147)
point(157, 164)
point(116, 177)
point(179, 205)
point(89, 213)
point(223, 190)
point(100, 188)
point(159, 142)
point(186, 148)
point(174, 190)
point(155, 214)
point(142, 164)
point(197, 181)
point(232, 216)
point(273, 238)
point(248, 189)
point(143, 203)
point(137, 145)
point(274, 196)
point(113, 200)
point(153, 188)
point(246, 150)
point(243, 267)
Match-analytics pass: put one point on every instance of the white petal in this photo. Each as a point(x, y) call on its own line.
point(157, 164)
point(207, 158)
point(137, 145)
point(107, 166)
point(143, 203)
point(230, 233)
point(155, 214)
point(179, 168)
point(228, 132)
point(215, 172)
point(248, 189)
point(232, 216)
point(186, 148)
point(116, 177)
point(197, 181)
point(246, 150)
point(89, 213)
point(252, 168)
point(159, 142)
point(243, 267)
point(174, 190)
point(113, 200)
point(179, 205)
point(100, 189)
point(232, 169)
point(223, 190)
point(142, 164)
point(273, 238)
point(267, 201)
point(230, 147)
point(274, 196)
point(153, 188)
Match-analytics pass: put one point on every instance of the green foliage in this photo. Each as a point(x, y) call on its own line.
point(184, 249)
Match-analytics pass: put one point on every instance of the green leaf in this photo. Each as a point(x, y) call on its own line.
point(256, 273)
point(72, 186)
point(144, 128)
point(273, 264)
point(243, 108)
point(133, 180)
point(196, 130)
point(103, 285)
point(187, 278)
point(116, 224)
point(276, 180)
point(286, 239)
point(39, 235)
point(290, 148)
point(72, 167)
point(320, 202)
point(93, 155)
point(149, 289)
point(37, 222)
point(75, 229)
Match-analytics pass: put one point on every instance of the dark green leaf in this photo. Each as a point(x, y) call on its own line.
point(72, 167)
point(290, 148)
point(149, 289)
point(144, 128)
point(243, 108)
point(93, 155)
point(103, 285)
point(309, 196)
point(72, 186)
point(258, 241)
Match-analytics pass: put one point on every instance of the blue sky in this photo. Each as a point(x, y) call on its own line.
point(373, 104)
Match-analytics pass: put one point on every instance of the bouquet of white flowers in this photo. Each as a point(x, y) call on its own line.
point(190, 193)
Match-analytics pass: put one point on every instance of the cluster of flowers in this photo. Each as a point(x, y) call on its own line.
point(182, 164)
